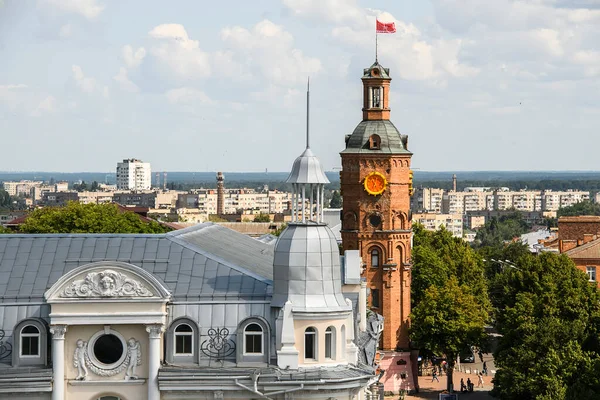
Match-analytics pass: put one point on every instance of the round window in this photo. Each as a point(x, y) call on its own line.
point(375, 220)
point(108, 349)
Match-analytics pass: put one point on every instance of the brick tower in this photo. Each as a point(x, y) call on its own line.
point(376, 183)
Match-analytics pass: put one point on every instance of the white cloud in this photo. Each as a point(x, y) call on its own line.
point(337, 11)
point(65, 31)
point(123, 79)
point(186, 95)
point(133, 59)
point(90, 9)
point(87, 84)
point(269, 50)
point(179, 53)
point(408, 51)
point(20, 98)
point(48, 105)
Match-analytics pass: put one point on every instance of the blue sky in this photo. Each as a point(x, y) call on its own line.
point(204, 86)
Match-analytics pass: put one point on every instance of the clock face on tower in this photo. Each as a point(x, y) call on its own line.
point(375, 183)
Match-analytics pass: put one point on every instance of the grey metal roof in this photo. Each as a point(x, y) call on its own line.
point(307, 169)
point(269, 374)
point(307, 269)
point(392, 142)
point(383, 73)
point(203, 261)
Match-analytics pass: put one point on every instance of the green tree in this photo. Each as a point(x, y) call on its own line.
point(497, 231)
point(5, 199)
point(94, 187)
point(80, 187)
point(438, 256)
point(448, 319)
point(278, 231)
point(262, 218)
point(88, 218)
point(582, 208)
point(4, 230)
point(216, 218)
point(548, 316)
point(449, 295)
point(336, 200)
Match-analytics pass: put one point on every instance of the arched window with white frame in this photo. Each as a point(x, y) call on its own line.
point(184, 340)
point(253, 340)
point(310, 343)
point(30, 341)
point(375, 257)
point(330, 343)
point(181, 342)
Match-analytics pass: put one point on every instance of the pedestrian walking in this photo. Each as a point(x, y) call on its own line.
point(469, 385)
point(434, 376)
point(485, 370)
point(463, 387)
point(480, 355)
point(480, 380)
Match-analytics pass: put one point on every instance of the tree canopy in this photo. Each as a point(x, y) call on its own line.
point(5, 199)
point(449, 294)
point(438, 256)
point(88, 218)
point(498, 230)
point(262, 218)
point(582, 208)
point(336, 200)
point(549, 317)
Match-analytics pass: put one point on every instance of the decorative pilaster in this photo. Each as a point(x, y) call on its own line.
point(154, 335)
point(58, 361)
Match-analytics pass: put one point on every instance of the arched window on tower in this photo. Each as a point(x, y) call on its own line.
point(310, 343)
point(330, 343)
point(374, 142)
point(376, 97)
point(375, 258)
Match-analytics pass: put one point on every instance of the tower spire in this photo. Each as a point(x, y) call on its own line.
point(307, 113)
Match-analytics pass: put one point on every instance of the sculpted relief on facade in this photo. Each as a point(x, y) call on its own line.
point(107, 283)
point(84, 360)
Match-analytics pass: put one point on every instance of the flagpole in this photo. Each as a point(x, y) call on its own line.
point(375, 44)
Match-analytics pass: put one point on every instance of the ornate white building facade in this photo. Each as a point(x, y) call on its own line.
point(200, 313)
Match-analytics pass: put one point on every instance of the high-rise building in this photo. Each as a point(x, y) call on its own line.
point(133, 174)
point(376, 183)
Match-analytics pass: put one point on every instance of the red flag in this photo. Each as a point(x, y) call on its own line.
point(385, 27)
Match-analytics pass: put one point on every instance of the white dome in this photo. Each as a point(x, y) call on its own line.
point(307, 270)
point(307, 169)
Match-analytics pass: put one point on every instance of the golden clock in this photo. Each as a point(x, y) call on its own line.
point(375, 183)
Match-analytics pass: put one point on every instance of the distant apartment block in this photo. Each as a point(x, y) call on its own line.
point(33, 189)
point(494, 199)
point(21, 187)
point(235, 200)
point(133, 174)
point(433, 222)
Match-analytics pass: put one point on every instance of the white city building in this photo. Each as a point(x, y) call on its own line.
point(133, 174)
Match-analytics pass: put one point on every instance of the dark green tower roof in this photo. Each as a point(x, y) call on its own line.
point(392, 142)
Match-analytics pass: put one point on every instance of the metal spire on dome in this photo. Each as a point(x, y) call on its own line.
point(308, 113)
point(308, 180)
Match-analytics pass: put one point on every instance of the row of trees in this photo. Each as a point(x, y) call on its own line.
point(544, 310)
point(87, 218)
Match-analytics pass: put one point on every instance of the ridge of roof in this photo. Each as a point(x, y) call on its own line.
point(80, 235)
point(174, 237)
point(582, 248)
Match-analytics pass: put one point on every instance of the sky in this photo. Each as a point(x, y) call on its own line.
point(198, 85)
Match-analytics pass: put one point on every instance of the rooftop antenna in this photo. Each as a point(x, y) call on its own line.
point(307, 112)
